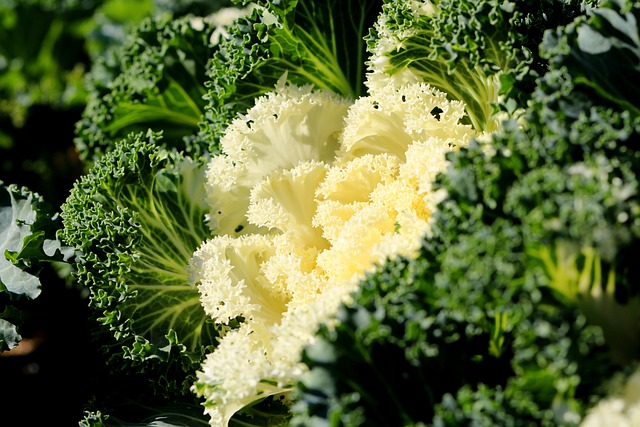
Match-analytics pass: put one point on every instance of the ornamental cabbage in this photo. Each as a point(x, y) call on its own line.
point(524, 297)
point(311, 212)
point(311, 191)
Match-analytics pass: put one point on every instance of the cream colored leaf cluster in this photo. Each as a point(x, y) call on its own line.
point(621, 408)
point(312, 192)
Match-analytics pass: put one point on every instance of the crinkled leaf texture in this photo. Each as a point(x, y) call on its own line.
point(318, 43)
point(136, 217)
point(477, 51)
point(155, 80)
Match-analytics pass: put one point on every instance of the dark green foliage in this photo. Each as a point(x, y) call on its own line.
point(136, 218)
point(524, 298)
point(603, 54)
point(154, 81)
point(452, 339)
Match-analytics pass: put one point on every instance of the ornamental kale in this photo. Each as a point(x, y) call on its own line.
point(154, 81)
point(523, 299)
point(304, 202)
point(135, 218)
point(476, 51)
point(351, 213)
point(138, 213)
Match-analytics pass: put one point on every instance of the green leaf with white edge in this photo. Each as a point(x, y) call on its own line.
point(137, 217)
point(27, 239)
point(9, 335)
point(17, 217)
